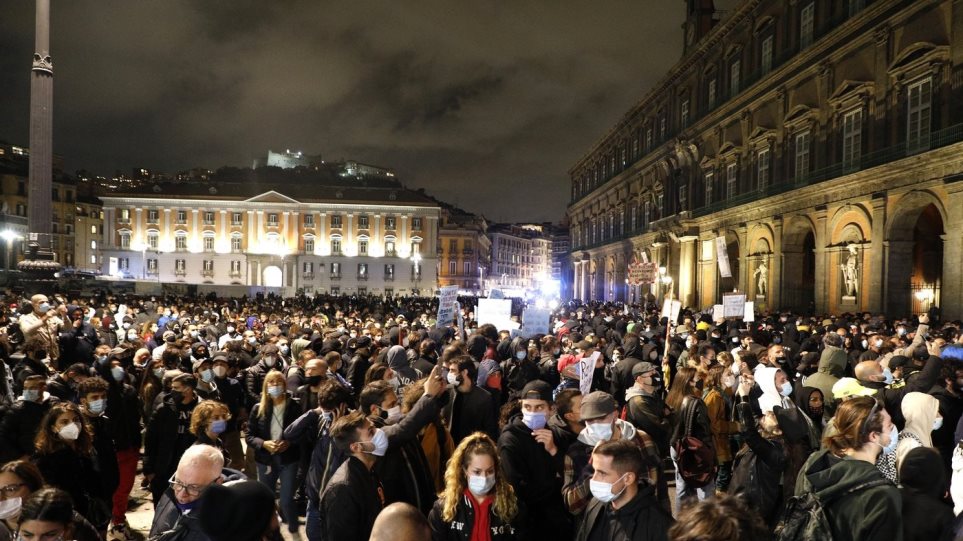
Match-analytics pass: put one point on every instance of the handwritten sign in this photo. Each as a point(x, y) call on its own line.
point(586, 372)
point(447, 298)
point(734, 305)
point(671, 309)
point(535, 321)
point(718, 312)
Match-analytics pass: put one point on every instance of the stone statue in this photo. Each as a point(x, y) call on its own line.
point(762, 271)
point(851, 271)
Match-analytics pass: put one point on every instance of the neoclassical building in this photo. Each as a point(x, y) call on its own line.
point(352, 238)
point(819, 143)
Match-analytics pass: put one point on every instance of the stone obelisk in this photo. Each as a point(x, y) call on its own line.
point(39, 262)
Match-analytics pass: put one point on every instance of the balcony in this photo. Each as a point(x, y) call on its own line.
point(467, 251)
point(207, 273)
point(308, 276)
point(180, 272)
point(391, 253)
point(363, 277)
point(235, 274)
point(151, 272)
point(335, 275)
point(389, 278)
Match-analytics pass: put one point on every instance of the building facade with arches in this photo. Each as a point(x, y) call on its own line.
point(351, 240)
point(821, 140)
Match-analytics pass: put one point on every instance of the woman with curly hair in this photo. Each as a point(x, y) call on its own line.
point(65, 456)
point(478, 503)
point(208, 421)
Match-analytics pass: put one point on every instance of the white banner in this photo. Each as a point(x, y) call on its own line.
point(495, 311)
point(734, 305)
point(586, 372)
point(447, 298)
point(722, 254)
point(718, 313)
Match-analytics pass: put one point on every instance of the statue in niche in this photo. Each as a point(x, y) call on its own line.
point(762, 271)
point(851, 271)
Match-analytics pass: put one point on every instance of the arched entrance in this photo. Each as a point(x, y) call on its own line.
point(273, 277)
point(914, 272)
point(799, 267)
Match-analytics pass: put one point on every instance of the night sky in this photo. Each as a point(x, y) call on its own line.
point(484, 104)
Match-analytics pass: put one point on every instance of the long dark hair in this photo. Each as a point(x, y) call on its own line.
point(49, 505)
point(49, 442)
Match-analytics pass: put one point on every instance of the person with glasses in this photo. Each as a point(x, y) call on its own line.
point(176, 516)
point(18, 480)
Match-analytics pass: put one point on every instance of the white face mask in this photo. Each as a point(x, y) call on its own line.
point(393, 414)
point(380, 442)
point(220, 371)
point(597, 432)
point(452, 378)
point(69, 432)
point(481, 484)
point(938, 423)
point(10, 508)
point(603, 491)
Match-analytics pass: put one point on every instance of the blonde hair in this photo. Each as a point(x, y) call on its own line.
point(505, 505)
point(265, 397)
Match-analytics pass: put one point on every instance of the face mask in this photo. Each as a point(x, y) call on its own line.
point(207, 375)
point(865, 344)
point(101, 359)
point(159, 372)
point(252, 340)
point(380, 441)
point(284, 349)
point(597, 432)
point(452, 378)
point(218, 426)
point(393, 414)
point(117, 373)
point(97, 406)
point(480, 484)
point(786, 389)
point(938, 423)
point(893, 440)
point(275, 391)
point(534, 421)
point(178, 396)
point(220, 371)
point(269, 361)
point(230, 330)
point(777, 340)
point(603, 491)
point(69, 432)
point(43, 308)
point(126, 326)
point(131, 336)
point(556, 352)
point(887, 376)
point(520, 355)
point(31, 395)
point(901, 332)
point(10, 508)
point(167, 313)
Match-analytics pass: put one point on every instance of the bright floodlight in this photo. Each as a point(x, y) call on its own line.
point(553, 304)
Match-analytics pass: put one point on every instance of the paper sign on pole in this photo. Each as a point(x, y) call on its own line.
point(722, 254)
point(447, 297)
point(734, 305)
point(750, 314)
point(718, 312)
point(494, 311)
point(671, 309)
point(586, 371)
point(535, 321)
point(666, 308)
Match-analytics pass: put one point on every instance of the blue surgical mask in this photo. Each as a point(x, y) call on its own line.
point(520, 355)
point(893, 441)
point(117, 373)
point(275, 391)
point(219, 426)
point(97, 406)
point(534, 421)
point(31, 395)
point(101, 359)
point(887, 376)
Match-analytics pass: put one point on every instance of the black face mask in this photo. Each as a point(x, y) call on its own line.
point(178, 396)
point(314, 380)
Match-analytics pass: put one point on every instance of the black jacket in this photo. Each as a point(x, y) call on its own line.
point(470, 412)
point(123, 413)
point(460, 527)
point(758, 468)
point(19, 426)
point(58, 387)
point(163, 445)
point(356, 370)
point(254, 382)
point(171, 523)
point(622, 379)
point(892, 397)
point(259, 431)
point(650, 414)
point(639, 520)
point(232, 394)
point(77, 344)
point(75, 474)
point(312, 432)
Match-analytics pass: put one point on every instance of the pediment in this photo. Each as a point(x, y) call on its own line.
point(271, 197)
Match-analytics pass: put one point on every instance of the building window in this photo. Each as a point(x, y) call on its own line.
point(732, 180)
point(21, 188)
point(389, 222)
point(363, 222)
point(336, 270)
point(208, 265)
point(208, 244)
point(180, 243)
point(336, 246)
point(309, 220)
point(123, 263)
point(662, 128)
point(416, 224)
point(363, 271)
point(182, 216)
point(93, 245)
point(852, 137)
point(660, 203)
point(152, 216)
point(235, 267)
point(765, 62)
point(710, 184)
point(711, 92)
point(236, 218)
point(309, 245)
point(363, 247)
point(336, 220)
point(56, 194)
point(646, 213)
point(236, 243)
point(125, 240)
point(633, 215)
point(152, 240)
point(415, 247)
point(735, 72)
point(683, 197)
point(919, 96)
point(452, 246)
point(807, 18)
point(390, 248)
point(467, 268)
point(389, 271)
point(180, 266)
point(335, 290)
point(272, 219)
point(152, 266)
point(124, 214)
point(648, 141)
point(762, 168)
point(684, 113)
point(802, 154)
point(452, 264)
point(308, 267)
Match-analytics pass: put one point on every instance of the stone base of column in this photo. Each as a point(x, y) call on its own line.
point(39, 270)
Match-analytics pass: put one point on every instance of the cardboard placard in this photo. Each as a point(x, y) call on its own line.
point(671, 309)
point(718, 312)
point(586, 372)
point(535, 321)
point(494, 311)
point(750, 312)
point(734, 305)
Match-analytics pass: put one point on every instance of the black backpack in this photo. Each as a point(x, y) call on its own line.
point(805, 518)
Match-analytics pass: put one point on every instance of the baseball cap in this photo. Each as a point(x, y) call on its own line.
point(537, 390)
point(642, 368)
point(597, 404)
point(849, 387)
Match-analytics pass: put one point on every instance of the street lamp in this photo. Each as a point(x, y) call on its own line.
point(9, 236)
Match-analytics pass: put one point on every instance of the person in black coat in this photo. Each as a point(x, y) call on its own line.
point(168, 434)
point(93, 404)
point(77, 339)
point(926, 517)
point(21, 420)
point(276, 457)
point(470, 408)
point(64, 385)
point(622, 377)
point(758, 467)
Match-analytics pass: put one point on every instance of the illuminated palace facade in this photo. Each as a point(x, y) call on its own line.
point(285, 238)
point(821, 139)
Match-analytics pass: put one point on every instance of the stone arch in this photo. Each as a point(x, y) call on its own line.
point(845, 219)
point(907, 209)
point(798, 280)
point(915, 259)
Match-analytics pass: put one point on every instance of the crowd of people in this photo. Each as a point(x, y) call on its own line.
point(365, 418)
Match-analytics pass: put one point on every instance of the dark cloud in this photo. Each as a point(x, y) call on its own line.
point(484, 104)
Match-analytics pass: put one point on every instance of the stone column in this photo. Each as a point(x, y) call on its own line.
point(873, 279)
point(688, 264)
point(899, 256)
point(774, 293)
point(822, 262)
point(951, 290)
point(742, 280)
point(40, 215)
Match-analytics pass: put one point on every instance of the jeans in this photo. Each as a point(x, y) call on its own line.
point(312, 521)
point(685, 495)
point(269, 474)
point(127, 467)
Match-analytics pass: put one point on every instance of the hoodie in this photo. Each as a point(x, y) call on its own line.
point(766, 379)
point(862, 515)
point(832, 366)
point(920, 411)
point(397, 359)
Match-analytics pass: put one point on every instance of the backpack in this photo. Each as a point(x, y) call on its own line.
point(805, 517)
point(695, 460)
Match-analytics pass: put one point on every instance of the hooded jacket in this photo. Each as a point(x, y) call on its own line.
point(920, 411)
point(832, 366)
point(622, 378)
point(398, 361)
point(869, 514)
point(771, 397)
point(758, 467)
point(892, 395)
point(641, 519)
point(650, 414)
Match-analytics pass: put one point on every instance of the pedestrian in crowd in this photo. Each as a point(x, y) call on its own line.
point(926, 516)
point(691, 420)
point(477, 503)
point(169, 434)
point(435, 440)
point(176, 513)
point(20, 422)
point(277, 458)
point(470, 408)
point(645, 406)
point(18, 481)
point(400, 522)
point(726, 518)
point(46, 514)
point(64, 454)
point(239, 511)
point(63, 386)
point(208, 423)
point(93, 406)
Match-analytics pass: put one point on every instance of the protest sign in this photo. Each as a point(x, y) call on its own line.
point(734, 305)
point(447, 297)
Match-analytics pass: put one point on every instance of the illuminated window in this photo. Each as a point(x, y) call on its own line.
point(180, 242)
point(208, 244)
point(152, 240)
point(363, 222)
point(363, 247)
point(336, 220)
point(272, 219)
point(125, 240)
point(309, 245)
point(208, 218)
point(336, 246)
point(309, 220)
point(236, 243)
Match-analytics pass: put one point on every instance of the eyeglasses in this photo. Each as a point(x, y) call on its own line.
point(193, 490)
point(10, 490)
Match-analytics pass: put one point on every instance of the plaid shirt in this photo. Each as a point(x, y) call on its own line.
point(578, 472)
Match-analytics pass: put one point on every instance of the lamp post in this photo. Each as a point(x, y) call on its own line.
point(9, 236)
